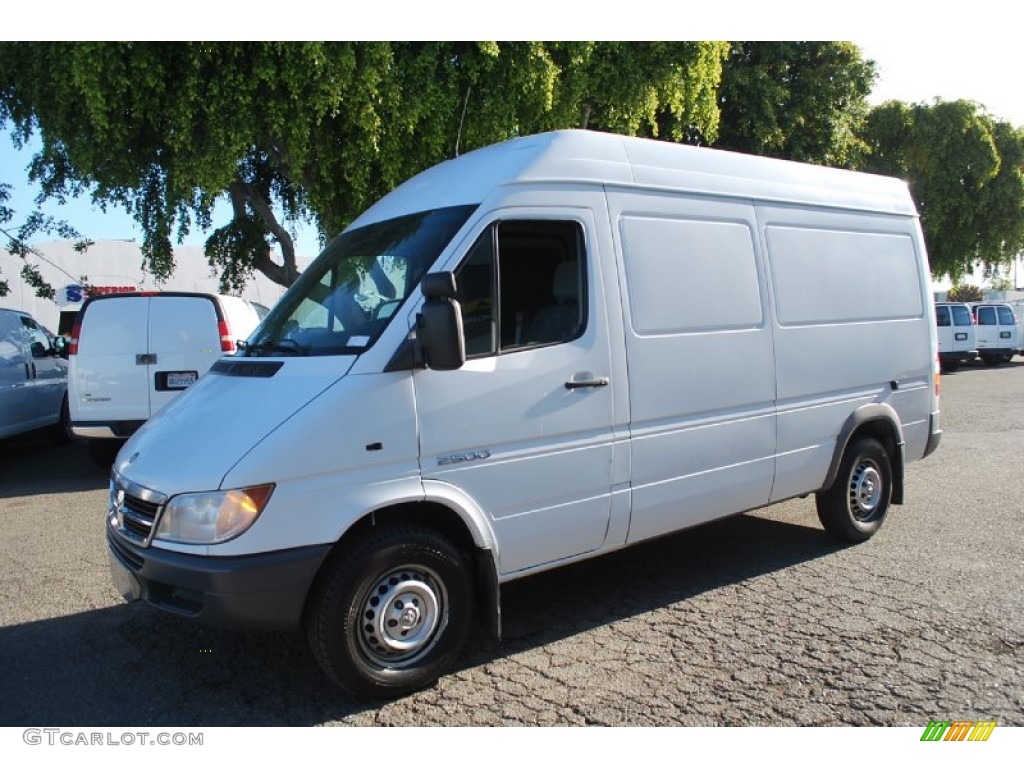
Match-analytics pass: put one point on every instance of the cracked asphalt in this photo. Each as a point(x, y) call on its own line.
point(760, 619)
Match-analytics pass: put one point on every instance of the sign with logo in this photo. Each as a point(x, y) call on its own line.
point(74, 295)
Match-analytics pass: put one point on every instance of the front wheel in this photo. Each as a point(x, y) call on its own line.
point(854, 508)
point(391, 611)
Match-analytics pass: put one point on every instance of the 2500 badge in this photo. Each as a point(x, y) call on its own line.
point(459, 458)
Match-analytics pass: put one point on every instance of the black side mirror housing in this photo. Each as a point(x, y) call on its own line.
point(439, 324)
point(61, 347)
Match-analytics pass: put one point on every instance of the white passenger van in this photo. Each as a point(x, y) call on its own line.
point(132, 353)
point(957, 339)
point(997, 332)
point(536, 353)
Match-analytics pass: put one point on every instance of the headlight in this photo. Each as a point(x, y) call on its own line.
point(210, 518)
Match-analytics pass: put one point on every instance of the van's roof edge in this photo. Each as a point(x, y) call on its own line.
point(580, 156)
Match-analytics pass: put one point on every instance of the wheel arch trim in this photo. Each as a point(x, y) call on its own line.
point(868, 419)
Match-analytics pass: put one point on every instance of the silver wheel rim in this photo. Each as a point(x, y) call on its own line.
point(866, 486)
point(403, 614)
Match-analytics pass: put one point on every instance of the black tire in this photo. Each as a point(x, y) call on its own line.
point(854, 508)
point(103, 452)
point(949, 367)
point(993, 361)
point(391, 611)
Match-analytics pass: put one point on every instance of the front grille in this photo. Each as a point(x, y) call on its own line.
point(138, 516)
point(133, 510)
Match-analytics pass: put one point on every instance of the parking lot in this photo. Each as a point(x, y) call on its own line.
point(757, 620)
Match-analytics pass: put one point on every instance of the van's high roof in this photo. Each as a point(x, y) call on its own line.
point(592, 157)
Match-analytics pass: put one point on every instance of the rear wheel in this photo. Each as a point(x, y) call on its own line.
point(391, 611)
point(854, 508)
point(992, 360)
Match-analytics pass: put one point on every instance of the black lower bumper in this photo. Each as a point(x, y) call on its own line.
point(997, 352)
point(959, 356)
point(261, 591)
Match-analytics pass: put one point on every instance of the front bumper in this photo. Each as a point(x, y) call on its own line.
point(262, 591)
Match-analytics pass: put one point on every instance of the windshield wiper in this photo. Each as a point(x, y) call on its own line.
point(282, 346)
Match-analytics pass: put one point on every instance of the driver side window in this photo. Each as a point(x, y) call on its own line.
point(522, 285)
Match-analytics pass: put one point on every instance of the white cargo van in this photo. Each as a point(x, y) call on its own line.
point(997, 333)
point(957, 340)
point(132, 353)
point(536, 353)
point(33, 378)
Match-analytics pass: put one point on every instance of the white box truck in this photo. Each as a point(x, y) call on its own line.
point(535, 353)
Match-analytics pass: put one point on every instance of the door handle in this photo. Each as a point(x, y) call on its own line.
point(581, 383)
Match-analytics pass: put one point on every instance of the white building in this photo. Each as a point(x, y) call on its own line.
point(109, 266)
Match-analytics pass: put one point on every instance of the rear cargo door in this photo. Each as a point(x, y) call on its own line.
point(1007, 328)
point(183, 343)
point(111, 377)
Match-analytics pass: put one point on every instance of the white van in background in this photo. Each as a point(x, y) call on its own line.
point(997, 331)
point(535, 353)
point(33, 378)
point(957, 339)
point(132, 353)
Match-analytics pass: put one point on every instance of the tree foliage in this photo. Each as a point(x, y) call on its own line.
point(315, 131)
point(16, 237)
point(965, 174)
point(965, 292)
point(795, 100)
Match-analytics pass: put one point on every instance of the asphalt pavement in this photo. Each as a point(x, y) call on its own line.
point(760, 619)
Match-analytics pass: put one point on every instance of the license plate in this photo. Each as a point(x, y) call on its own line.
point(181, 379)
point(124, 581)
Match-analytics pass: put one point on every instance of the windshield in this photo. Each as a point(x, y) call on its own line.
point(344, 300)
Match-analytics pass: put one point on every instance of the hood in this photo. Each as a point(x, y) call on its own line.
point(191, 444)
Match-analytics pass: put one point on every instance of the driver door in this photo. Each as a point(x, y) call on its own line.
point(525, 426)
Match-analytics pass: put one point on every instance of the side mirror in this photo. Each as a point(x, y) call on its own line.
point(439, 324)
point(60, 347)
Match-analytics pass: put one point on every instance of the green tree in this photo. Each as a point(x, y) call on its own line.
point(796, 100)
point(965, 292)
point(315, 131)
point(965, 174)
point(15, 239)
